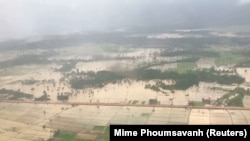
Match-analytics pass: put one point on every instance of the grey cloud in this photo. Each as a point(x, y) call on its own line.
point(40, 17)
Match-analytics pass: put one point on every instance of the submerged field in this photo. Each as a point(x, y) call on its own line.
point(27, 122)
point(185, 72)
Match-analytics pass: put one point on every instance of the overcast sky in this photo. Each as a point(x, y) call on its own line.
point(23, 18)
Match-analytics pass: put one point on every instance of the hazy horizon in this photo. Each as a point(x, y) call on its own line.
point(20, 19)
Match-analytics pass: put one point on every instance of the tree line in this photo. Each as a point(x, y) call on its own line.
point(182, 80)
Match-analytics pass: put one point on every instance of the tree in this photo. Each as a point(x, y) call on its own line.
point(152, 101)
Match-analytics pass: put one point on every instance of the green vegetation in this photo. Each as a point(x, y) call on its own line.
point(185, 80)
point(234, 98)
point(228, 58)
point(153, 101)
point(68, 66)
point(243, 64)
point(210, 76)
point(65, 136)
point(44, 97)
point(15, 95)
point(129, 102)
point(24, 60)
point(98, 79)
point(191, 59)
point(29, 82)
point(221, 89)
point(104, 136)
point(196, 103)
point(62, 97)
point(236, 101)
point(99, 128)
point(231, 99)
point(191, 52)
point(71, 136)
point(135, 102)
point(182, 80)
point(184, 67)
point(244, 53)
point(152, 87)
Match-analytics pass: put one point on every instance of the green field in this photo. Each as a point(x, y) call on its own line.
point(65, 136)
point(227, 58)
point(99, 128)
point(70, 136)
point(229, 100)
point(104, 136)
point(198, 103)
point(184, 67)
